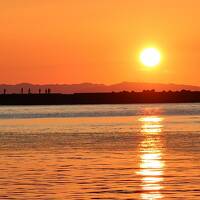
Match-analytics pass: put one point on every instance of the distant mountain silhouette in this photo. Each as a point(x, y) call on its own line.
point(91, 88)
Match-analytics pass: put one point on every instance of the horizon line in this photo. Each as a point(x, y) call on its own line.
point(106, 84)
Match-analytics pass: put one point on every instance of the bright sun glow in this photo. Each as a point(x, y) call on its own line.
point(150, 57)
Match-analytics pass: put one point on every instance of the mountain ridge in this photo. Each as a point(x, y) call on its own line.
point(95, 88)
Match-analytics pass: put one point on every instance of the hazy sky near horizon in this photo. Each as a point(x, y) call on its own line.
point(73, 41)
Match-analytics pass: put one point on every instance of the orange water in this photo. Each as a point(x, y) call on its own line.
point(146, 157)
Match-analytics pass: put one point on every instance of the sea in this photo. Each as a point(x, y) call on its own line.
point(112, 152)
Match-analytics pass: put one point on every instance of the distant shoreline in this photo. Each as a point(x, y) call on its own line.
point(149, 96)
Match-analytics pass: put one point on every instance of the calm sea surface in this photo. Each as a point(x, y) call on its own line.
point(143, 152)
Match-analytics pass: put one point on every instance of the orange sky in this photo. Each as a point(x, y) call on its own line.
point(73, 41)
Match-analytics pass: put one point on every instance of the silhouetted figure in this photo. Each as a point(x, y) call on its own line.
point(29, 91)
point(49, 90)
point(4, 91)
point(39, 91)
point(46, 91)
point(22, 90)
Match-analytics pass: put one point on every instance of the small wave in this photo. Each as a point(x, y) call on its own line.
point(27, 112)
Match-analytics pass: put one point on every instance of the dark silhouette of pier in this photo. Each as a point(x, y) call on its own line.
point(124, 97)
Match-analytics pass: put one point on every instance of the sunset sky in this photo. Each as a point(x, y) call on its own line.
point(99, 41)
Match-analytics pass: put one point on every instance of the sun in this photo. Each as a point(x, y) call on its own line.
point(150, 57)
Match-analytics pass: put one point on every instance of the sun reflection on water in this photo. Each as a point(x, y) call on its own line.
point(151, 158)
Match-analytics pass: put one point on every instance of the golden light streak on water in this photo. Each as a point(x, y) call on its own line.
point(151, 159)
point(152, 119)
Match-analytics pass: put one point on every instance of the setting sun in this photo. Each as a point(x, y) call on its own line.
point(150, 57)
